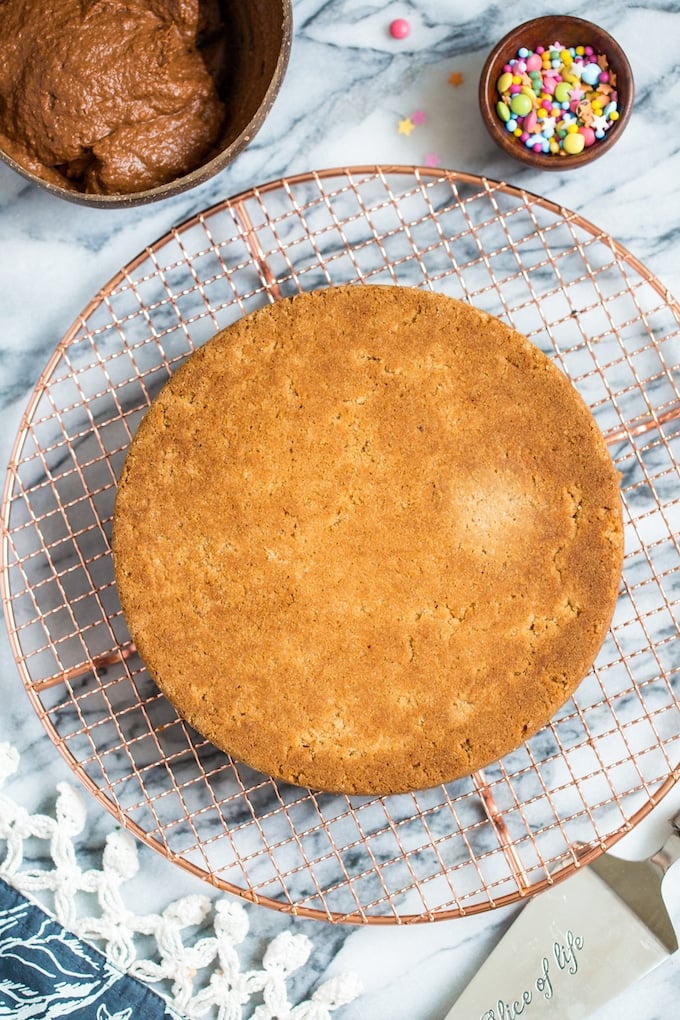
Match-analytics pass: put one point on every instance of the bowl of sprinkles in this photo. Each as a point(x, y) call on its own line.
point(556, 92)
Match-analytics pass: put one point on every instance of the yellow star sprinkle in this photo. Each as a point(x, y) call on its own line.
point(406, 126)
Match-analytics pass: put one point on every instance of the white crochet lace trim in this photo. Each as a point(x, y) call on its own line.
point(204, 977)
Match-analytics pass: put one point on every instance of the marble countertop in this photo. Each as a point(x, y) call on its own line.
point(347, 87)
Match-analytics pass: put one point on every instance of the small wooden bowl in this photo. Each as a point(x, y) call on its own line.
point(544, 32)
point(255, 55)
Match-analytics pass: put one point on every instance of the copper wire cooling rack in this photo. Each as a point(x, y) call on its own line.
point(606, 758)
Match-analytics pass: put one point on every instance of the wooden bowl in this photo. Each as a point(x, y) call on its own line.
point(546, 31)
point(254, 53)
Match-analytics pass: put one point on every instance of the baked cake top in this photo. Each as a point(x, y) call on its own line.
point(368, 539)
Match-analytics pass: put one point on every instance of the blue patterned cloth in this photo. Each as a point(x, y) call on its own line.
point(47, 973)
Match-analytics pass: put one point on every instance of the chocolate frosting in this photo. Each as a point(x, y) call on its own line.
point(106, 96)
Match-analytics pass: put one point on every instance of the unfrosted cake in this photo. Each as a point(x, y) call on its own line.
point(368, 539)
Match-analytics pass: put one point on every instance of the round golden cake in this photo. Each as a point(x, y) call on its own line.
point(368, 539)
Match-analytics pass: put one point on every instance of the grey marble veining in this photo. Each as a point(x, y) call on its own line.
point(347, 86)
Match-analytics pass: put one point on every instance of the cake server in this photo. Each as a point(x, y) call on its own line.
point(576, 946)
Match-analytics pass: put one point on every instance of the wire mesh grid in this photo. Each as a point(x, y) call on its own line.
point(607, 756)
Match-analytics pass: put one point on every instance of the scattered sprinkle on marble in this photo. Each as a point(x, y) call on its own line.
point(418, 117)
point(406, 126)
point(456, 78)
point(432, 159)
point(400, 28)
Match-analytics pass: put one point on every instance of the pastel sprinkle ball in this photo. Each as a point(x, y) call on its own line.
point(399, 28)
point(557, 100)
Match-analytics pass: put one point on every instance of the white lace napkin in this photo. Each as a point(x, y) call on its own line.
point(197, 974)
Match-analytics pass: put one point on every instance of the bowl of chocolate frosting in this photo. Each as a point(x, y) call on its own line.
point(120, 103)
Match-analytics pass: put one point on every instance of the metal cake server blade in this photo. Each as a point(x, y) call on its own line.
point(576, 946)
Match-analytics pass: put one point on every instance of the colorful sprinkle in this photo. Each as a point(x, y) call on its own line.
point(418, 117)
point(399, 28)
point(455, 79)
point(406, 126)
point(432, 159)
point(557, 100)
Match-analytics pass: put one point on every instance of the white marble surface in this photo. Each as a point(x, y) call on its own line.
point(347, 85)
